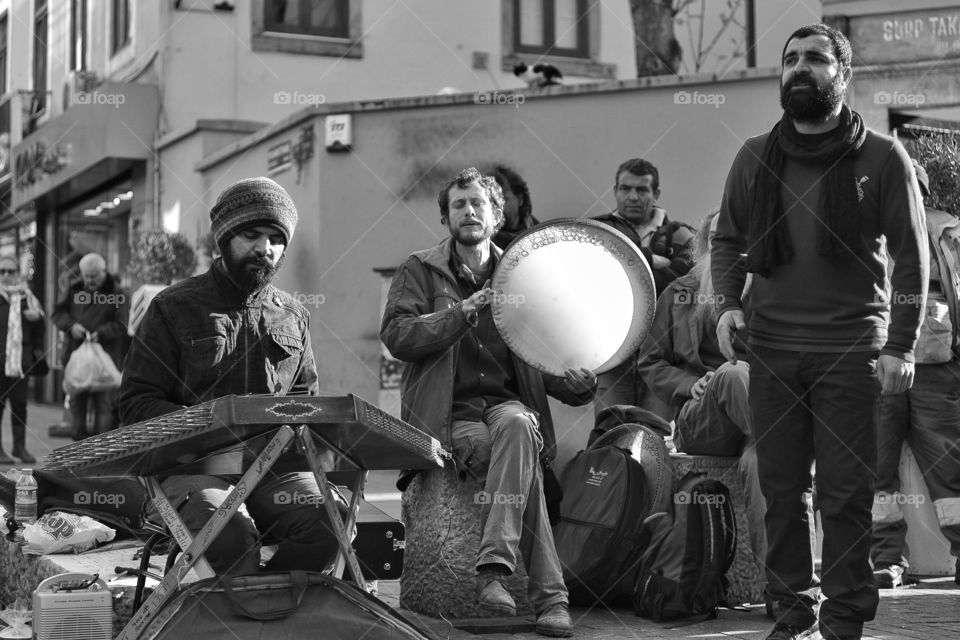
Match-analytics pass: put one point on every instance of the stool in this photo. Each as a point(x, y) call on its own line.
point(442, 520)
point(746, 576)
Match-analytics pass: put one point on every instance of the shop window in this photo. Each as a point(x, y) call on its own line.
point(318, 27)
point(78, 35)
point(40, 34)
point(3, 53)
point(565, 33)
point(119, 25)
point(551, 27)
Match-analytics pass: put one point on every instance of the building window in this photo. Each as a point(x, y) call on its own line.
point(3, 53)
point(328, 18)
point(78, 35)
point(119, 25)
point(561, 32)
point(551, 27)
point(317, 27)
point(39, 58)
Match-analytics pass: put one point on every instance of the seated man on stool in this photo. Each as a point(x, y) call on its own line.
point(680, 361)
point(230, 331)
point(465, 387)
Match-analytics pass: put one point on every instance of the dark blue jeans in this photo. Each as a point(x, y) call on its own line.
point(822, 408)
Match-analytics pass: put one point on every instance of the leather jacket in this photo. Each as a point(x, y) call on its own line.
point(203, 338)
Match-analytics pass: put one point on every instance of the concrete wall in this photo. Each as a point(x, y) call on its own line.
point(372, 207)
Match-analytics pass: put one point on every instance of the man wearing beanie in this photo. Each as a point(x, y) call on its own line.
point(230, 331)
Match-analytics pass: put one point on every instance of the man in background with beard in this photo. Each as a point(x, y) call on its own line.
point(230, 331)
point(464, 386)
point(811, 204)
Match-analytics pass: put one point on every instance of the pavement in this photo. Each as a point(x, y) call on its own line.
point(926, 610)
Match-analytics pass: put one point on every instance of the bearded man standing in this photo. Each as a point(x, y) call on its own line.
point(812, 204)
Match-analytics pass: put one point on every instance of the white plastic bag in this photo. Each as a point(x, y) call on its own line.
point(90, 369)
point(61, 532)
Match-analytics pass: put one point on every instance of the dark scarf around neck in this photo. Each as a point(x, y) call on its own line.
point(838, 235)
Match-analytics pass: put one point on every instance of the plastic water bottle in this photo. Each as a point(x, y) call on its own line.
point(25, 507)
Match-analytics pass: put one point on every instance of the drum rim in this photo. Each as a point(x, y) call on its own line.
point(643, 320)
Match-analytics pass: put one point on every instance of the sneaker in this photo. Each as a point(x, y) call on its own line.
point(783, 631)
point(492, 596)
point(888, 577)
point(555, 622)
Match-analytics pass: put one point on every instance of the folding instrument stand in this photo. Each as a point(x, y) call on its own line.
point(194, 547)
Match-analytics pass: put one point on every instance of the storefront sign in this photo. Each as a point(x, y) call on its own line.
point(912, 36)
point(36, 159)
point(105, 136)
point(279, 157)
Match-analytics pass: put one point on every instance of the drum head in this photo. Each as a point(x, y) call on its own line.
point(573, 293)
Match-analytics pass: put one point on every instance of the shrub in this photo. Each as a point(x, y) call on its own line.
point(939, 154)
point(159, 257)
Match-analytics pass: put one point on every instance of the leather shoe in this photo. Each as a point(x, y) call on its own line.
point(24, 455)
point(5, 459)
point(492, 596)
point(783, 631)
point(555, 622)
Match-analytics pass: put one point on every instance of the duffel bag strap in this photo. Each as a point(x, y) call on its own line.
point(241, 600)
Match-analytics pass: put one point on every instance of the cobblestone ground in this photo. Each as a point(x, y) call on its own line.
point(929, 610)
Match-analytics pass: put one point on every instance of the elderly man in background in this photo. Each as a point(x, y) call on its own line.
point(93, 307)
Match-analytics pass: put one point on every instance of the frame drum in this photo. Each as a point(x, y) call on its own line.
point(573, 293)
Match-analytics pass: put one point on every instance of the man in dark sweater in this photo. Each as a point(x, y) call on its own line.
point(812, 204)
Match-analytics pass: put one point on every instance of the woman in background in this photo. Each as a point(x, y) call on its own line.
point(21, 332)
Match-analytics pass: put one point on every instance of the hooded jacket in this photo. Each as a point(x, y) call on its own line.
point(422, 325)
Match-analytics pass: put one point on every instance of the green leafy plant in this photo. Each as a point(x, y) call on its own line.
point(159, 257)
point(939, 153)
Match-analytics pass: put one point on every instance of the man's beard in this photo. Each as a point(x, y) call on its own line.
point(811, 106)
point(251, 280)
point(471, 240)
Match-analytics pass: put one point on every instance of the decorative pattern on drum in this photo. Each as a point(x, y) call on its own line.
point(573, 293)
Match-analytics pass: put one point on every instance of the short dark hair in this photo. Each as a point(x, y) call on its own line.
point(638, 167)
point(507, 177)
point(841, 46)
point(462, 180)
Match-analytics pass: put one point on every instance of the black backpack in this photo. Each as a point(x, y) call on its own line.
point(609, 492)
point(684, 570)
